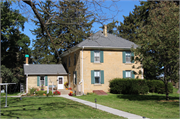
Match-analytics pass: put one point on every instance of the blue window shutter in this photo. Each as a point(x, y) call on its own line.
point(92, 77)
point(76, 77)
point(124, 57)
point(92, 56)
point(38, 78)
point(102, 77)
point(132, 55)
point(132, 73)
point(124, 74)
point(46, 80)
point(101, 57)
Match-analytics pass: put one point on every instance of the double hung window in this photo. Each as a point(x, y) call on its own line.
point(42, 80)
point(128, 74)
point(97, 56)
point(128, 57)
point(97, 77)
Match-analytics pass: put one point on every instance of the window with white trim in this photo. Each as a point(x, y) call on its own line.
point(96, 56)
point(128, 74)
point(42, 82)
point(128, 57)
point(97, 77)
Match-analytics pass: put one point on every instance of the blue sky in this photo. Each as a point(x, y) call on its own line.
point(125, 7)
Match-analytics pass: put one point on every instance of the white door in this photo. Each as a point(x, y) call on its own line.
point(60, 82)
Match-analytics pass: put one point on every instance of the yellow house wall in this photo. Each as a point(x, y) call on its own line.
point(72, 67)
point(113, 67)
point(32, 82)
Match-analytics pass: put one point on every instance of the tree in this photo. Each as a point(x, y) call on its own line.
point(93, 8)
point(14, 45)
point(127, 29)
point(44, 50)
point(159, 42)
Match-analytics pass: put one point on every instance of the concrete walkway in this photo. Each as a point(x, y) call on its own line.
point(105, 108)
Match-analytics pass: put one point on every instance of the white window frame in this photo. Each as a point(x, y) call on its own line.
point(97, 51)
point(127, 54)
point(97, 76)
point(128, 71)
point(75, 59)
point(42, 80)
point(69, 61)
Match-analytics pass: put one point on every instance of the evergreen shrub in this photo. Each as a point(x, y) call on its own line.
point(128, 86)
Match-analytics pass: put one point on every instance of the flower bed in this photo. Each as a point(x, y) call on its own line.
point(57, 92)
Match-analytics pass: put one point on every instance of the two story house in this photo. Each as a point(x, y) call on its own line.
point(100, 58)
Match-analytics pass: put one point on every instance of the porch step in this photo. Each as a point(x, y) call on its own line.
point(99, 92)
point(64, 91)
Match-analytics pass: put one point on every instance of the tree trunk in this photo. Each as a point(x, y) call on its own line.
point(166, 90)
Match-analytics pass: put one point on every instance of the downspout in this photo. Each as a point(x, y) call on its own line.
point(82, 81)
point(26, 83)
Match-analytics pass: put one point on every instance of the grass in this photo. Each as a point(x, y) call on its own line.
point(151, 105)
point(51, 107)
point(13, 94)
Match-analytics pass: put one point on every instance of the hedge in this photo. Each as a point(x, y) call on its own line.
point(128, 86)
point(157, 86)
point(138, 86)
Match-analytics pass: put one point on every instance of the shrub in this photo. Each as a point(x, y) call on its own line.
point(49, 94)
point(57, 92)
point(40, 92)
point(128, 86)
point(32, 90)
point(152, 85)
point(158, 86)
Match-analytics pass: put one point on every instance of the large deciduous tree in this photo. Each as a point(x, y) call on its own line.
point(159, 42)
point(75, 21)
point(14, 45)
point(65, 35)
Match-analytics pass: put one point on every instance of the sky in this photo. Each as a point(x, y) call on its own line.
point(124, 7)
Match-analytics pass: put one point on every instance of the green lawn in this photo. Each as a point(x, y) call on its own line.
point(13, 94)
point(51, 107)
point(151, 105)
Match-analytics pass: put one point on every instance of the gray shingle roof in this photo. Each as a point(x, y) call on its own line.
point(112, 41)
point(44, 69)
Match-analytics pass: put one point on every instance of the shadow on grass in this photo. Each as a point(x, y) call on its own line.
point(155, 98)
point(146, 97)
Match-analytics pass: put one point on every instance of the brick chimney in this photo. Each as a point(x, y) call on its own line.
point(27, 57)
point(105, 30)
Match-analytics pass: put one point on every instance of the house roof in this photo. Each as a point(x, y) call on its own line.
point(44, 69)
point(112, 41)
point(98, 40)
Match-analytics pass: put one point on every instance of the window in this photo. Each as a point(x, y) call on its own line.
point(74, 59)
point(42, 80)
point(69, 62)
point(96, 56)
point(97, 77)
point(128, 57)
point(128, 74)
